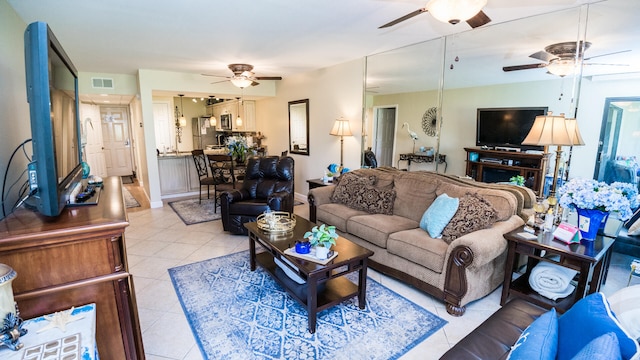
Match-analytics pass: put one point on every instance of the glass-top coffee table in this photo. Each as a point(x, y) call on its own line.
point(324, 285)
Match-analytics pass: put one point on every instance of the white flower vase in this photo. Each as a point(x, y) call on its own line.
point(322, 252)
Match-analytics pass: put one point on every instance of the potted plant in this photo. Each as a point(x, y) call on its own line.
point(321, 238)
point(594, 201)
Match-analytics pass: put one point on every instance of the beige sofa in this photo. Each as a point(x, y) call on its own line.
point(456, 271)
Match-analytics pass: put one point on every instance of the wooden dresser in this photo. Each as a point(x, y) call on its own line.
point(74, 259)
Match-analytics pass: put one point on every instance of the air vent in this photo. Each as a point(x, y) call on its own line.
point(102, 83)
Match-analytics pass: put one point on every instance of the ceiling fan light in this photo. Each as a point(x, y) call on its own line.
point(561, 67)
point(454, 11)
point(241, 81)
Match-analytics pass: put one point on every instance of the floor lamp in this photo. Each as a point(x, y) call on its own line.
point(341, 128)
point(554, 130)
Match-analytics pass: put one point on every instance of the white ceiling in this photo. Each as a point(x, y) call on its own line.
point(278, 37)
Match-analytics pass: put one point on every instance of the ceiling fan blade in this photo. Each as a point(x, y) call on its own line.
point(220, 76)
point(479, 19)
point(607, 54)
point(221, 81)
point(606, 64)
point(268, 78)
point(255, 83)
point(403, 18)
point(523, 67)
point(543, 55)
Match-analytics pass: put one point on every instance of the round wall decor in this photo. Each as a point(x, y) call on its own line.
point(429, 121)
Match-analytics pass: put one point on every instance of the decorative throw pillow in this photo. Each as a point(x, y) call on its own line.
point(634, 219)
point(373, 200)
point(586, 320)
point(604, 347)
point(438, 215)
point(539, 340)
point(348, 186)
point(474, 213)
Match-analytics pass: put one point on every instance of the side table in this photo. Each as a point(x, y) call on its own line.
point(590, 259)
point(314, 183)
point(78, 341)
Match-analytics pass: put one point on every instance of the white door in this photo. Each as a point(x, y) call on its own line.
point(384, 131)
point(92, 139)
point(117, 143)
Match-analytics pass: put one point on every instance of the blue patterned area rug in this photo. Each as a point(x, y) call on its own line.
point(239, 314)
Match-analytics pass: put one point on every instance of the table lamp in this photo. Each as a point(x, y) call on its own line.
point(341, 128)
point(554, 130)
point(11, 326)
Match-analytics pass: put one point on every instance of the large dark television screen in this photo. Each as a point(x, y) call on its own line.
point(52, 93)
point(506, 127)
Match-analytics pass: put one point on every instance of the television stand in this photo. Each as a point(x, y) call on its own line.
point(500, 166)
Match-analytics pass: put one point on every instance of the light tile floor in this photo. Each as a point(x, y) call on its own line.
point(158, 240)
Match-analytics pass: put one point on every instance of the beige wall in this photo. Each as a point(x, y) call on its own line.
point(14, 121)
point(332, 92)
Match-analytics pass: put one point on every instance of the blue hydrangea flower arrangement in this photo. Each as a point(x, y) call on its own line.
point(591, 194)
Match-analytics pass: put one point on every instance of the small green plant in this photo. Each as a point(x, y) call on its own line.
point(518, 180)
point(322, 236)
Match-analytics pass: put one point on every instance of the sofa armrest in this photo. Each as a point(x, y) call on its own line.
point(318, 196)
point(486, 244)
point(281, 201)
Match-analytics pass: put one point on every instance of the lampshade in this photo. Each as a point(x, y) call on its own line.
point(454, 11)
point(241, 81)
point(239, 121)
point(341, 128)
point(213, 121)
point(574, 132)
point(549, 130)
point(182, 121)
point(561, 67)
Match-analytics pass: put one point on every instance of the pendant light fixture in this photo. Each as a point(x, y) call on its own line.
point(212, 120)
point(239, 119)
point(182, 120)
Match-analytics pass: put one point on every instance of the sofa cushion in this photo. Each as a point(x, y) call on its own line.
point(415, 191)
point(474, 213)
point(539, 340)
point(438, 215)
point(504, 202)
point(634, 229)
point(375, 228)
point(604, 347)
point(417, 246)
point(588, 319)
point(336, 214)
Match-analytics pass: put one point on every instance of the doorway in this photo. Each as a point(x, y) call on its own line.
point(384, 125)
point(116, 140)
point(619, 144)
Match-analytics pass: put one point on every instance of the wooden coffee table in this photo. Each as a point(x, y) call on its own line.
point(330, 278)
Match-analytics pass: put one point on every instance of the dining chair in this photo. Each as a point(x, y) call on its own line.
point(223, 174)
point(200, 161)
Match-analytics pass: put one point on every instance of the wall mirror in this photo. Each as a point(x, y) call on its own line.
point(299, 127)
point(464, 72)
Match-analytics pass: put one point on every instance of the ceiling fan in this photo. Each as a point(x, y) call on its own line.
point(451, 11)
point(559, 59)
point(243, 76)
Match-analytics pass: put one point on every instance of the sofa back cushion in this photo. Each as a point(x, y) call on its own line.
point(504, 203)
point(358, 192)
point(415, 192)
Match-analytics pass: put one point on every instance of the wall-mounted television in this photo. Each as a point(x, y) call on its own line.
point(52, 93)
point(506, 127)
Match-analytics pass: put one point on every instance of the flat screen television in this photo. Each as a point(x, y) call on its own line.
point(52, 93)
point(506, 127)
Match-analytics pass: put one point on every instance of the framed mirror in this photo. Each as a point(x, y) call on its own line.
point(299, 127)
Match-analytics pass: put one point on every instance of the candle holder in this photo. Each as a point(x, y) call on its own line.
point(11, 327)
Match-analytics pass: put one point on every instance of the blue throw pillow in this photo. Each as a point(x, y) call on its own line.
point(539, 340)
point(588, 319)
point(439, 214)
point(605, 347)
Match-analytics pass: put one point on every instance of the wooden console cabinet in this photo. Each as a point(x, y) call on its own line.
point(492, 165)
point(75, 259)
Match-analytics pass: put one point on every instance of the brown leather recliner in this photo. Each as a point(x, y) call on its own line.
point(268, 184)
